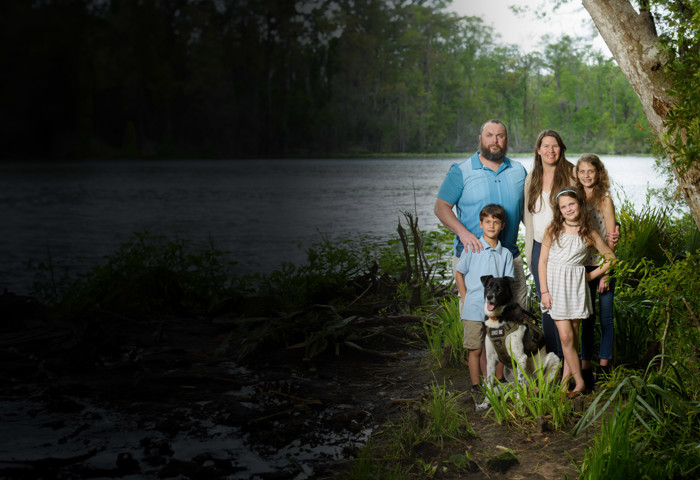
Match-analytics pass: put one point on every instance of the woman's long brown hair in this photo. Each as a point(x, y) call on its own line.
point(563, 173)
point(585, 229)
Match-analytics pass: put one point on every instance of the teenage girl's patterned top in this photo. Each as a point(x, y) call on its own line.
point(598, 222)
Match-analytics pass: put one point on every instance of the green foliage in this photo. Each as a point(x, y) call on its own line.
point(444, 418)
point(444, 334)
point(270, 78)
point(323, 278)
point(673, 291)
point(367, 467)
point(615, 454)
point(146, 274)
point(653, 429)
point(680, 23)
point(657, 282)
point(643, 235)
point(435, 244)
point(635, 332)
point(521, 405)
point(316, 329)
point(437, 419)
point(533, 300)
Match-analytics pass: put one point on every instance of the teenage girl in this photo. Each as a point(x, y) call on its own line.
point(592, 178)
point(563, 276)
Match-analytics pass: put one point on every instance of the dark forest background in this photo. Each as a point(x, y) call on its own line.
point(237, 78)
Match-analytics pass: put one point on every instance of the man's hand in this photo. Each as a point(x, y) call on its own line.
point(443, 211)
point(470, 240)
point(604, 285)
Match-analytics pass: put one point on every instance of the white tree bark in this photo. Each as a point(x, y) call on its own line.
point(633, 41)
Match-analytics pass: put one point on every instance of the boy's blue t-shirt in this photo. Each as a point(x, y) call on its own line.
point(490, 261)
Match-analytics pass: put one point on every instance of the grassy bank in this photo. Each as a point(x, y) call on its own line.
point(648, 405)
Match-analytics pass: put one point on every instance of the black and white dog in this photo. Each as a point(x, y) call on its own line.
point(508, 334)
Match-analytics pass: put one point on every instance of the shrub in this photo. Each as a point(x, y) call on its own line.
point(147, 274)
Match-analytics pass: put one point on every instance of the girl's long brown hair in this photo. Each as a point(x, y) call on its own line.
point(602, 179)
point(563, 172)
point(585, 229)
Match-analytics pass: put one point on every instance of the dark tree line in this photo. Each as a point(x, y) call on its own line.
point(239, 78)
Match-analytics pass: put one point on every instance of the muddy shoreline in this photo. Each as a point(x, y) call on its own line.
point(116, 397)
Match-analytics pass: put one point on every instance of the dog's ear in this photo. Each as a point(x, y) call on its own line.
point(511, 280)
point(485, 279)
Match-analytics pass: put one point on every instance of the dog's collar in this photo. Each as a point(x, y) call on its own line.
point(502, 324)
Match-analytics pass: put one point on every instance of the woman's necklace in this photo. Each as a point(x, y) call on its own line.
point(569, 225)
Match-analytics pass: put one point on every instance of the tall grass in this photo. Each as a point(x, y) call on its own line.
point(520, 405)
point(444, 333)
point(658, 279)
point(635, 332)
point(643, 234)
point(650, 426)
point(649, 418)
point(398, 450)
point(435, 419)
point(614, 451)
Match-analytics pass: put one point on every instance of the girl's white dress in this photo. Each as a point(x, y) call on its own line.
point(566, 279)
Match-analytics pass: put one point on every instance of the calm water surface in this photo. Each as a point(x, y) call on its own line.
point(263, 211)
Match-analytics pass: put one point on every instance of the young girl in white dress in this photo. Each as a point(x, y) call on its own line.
point(563, 276)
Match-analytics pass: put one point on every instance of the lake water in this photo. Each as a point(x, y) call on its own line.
point(263, 211)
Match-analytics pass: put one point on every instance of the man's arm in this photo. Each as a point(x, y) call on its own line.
point(443, 211)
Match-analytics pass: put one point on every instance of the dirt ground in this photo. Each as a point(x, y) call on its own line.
point(115, 397)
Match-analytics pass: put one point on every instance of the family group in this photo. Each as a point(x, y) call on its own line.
point(570, 237)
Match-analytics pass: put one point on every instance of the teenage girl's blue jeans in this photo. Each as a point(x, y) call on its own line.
point(607, 328)
point(551, 334)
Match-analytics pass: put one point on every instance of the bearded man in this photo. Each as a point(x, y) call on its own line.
point(489, 176)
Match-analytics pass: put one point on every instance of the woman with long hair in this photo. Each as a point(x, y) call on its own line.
point(551, 171)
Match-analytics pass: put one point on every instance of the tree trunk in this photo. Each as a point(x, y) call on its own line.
point(633, 41)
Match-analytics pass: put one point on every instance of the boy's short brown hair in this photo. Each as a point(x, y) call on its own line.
point(495, 210)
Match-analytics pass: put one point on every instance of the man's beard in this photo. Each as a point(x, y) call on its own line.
point(493, 156)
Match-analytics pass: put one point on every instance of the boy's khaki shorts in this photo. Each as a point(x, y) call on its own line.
point(474, 334)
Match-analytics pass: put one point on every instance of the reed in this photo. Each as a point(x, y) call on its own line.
point(650, 425)
point(444, 333)
point(399, 447)
point(521, 405)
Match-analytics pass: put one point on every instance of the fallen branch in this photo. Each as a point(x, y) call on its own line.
point(397, 339)
point(693, 317)
point(369, 351)
point(663, 339)
point(361, 295)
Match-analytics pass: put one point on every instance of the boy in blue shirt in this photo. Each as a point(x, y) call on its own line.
point(494, 260)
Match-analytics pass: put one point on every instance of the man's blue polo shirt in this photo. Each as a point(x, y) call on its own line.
point(471, 186)
point(490, 261)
